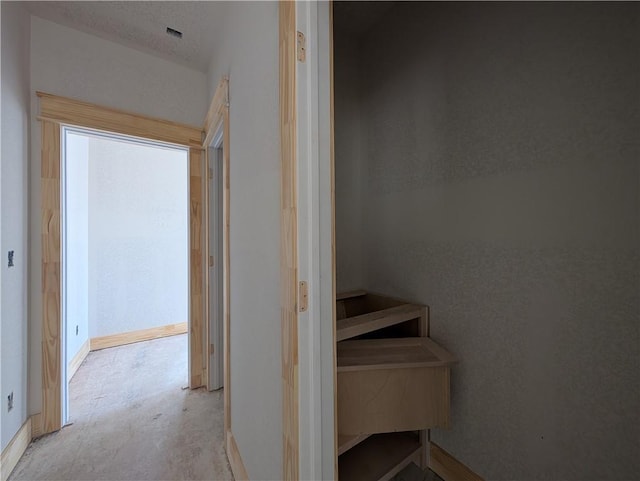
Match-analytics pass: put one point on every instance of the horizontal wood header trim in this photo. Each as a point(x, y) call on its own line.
point(84, 114)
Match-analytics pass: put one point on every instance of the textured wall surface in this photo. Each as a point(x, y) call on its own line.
point(14, 202)
point(82, 66)
point(138, 237)
point(500, 171)
point(348, 164)
point(247, 51)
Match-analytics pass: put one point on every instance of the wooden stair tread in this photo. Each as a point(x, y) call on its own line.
point(379, 457)
point(348, 441)
point(372, 321)
point(409, 352)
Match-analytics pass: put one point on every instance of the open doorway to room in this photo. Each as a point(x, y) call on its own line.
point(125, 252)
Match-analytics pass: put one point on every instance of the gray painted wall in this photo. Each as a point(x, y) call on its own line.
point(74, 64)
point(500, 186)
point(349, 162)
point(247, 51)
point(14, 202)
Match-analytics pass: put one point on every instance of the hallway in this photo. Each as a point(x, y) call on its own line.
point(132, 420)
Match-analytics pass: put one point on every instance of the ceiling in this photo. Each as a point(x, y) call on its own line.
point(142, 25)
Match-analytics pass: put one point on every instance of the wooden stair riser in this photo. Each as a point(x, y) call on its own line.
point(390, 400)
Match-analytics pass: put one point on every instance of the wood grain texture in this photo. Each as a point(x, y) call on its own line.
point(235, 459)
point(372, 321)
point(288, 241)
point(120, 339)
point(36, 426)
point(215, 114)
point(410, 352)
point(388, 400)
point(75, 112)
point(380, 457)
point(449, 468)
point(77, 360)
point(12, 453)
point(51, 278)
point(197, 295)
point(218, 115)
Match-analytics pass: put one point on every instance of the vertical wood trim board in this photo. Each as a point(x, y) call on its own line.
point(226, 276)
point(235, 460)
point(333, 238)
point(288, 241)
point(36, 426)
point(197, 374)
point(14, 450)
point(55, 110)
point(448, 467)
point(51, 270)
point(219, 114)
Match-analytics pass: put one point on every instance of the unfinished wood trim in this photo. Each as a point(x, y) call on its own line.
point(64, 110)
point(218, 115)
point(14, 450)
point(449, 468)
point(215, 115)
point(78, 359)
point(36, 426)
point(197, 179)
point(120, 339)
point(51, 278)
point(332, 168)
point(235, 459)
point(288, 241)
point(55, 110)
point(226, 279)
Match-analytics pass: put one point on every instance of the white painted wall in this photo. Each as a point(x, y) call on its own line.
point(247, 51)
point(78, 65)
point(501, 169)
point(77, 242)
point(14, 202)
point(138, 237)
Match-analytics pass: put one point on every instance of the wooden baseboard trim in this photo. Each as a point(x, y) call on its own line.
point(114, 340)
point(36, 426)
point(448, 467)
point(14, 450)
point(78, 358)
point(235, 460)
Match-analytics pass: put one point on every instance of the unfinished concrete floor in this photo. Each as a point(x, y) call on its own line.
point(133, 421)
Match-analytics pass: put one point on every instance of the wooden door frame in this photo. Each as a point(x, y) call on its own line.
point(307, 253)
point(55, 111)
point(218, 118)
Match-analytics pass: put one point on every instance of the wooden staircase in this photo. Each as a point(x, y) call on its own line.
point(392, 385)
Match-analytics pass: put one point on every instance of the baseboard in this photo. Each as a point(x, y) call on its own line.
point(78, 358)
point(448, 467)
point(235, 460)
point(14, 450)
point(114, 340)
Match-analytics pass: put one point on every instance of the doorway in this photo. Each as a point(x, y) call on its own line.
point(125, 245)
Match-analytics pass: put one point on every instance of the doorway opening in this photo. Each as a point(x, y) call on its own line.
point(125, 250)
